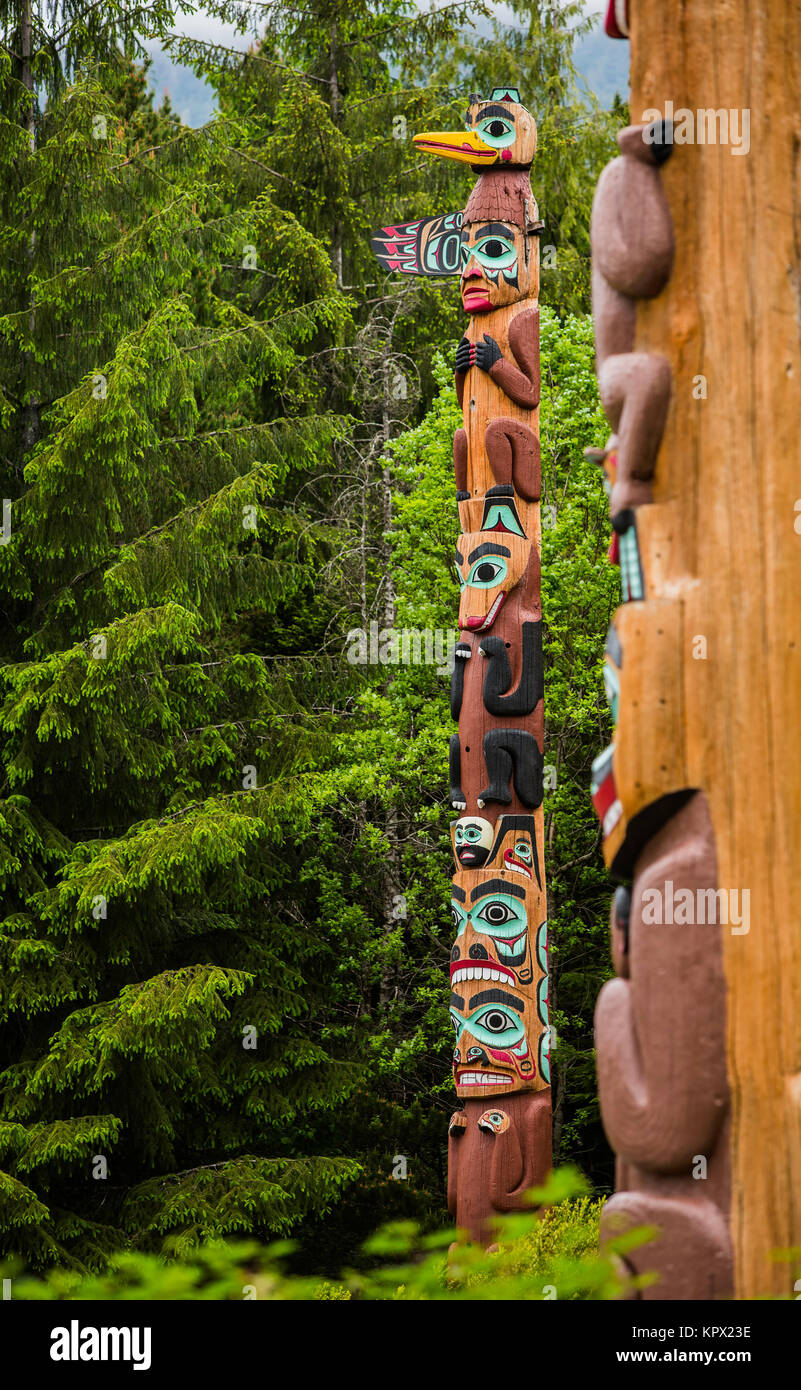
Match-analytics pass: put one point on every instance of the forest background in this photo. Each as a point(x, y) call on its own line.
point(225, 442)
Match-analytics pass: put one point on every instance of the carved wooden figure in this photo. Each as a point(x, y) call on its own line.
point(499, 964)
point(696, 268)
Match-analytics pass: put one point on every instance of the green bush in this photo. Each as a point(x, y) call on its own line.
point(550, 1255)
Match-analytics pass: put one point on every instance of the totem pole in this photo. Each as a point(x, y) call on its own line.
point(500, 1141)
point(696, 269)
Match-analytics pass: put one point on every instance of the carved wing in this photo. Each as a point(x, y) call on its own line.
point(431, 246)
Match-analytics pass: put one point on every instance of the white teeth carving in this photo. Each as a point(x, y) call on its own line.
point(484, 972)
point(483, 1078)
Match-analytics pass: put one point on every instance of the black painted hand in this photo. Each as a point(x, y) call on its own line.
point(462, 359)
point(487, 353)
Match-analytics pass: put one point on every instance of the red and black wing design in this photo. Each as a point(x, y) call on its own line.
point(431, 246)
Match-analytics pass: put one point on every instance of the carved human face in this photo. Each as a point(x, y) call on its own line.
point(472, 838)
point(498, 262)
point(489, 565)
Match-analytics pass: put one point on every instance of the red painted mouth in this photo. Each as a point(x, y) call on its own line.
point(480, 624)
point(481, 970)
point(476, 301)
point(516, 865)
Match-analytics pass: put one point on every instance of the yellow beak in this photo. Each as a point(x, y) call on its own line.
point(461, 144)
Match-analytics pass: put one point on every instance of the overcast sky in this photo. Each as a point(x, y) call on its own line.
point(194, 100)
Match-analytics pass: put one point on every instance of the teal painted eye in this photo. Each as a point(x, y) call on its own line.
point(468, 835)
point(523, 851)
point(496, 1027)
point(486, 574)
point(459, 917)
point(496, 131)
point(460, 577)
point(502, 916)
point(496, 253)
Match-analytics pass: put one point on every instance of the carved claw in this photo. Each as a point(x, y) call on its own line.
point(457, 1125)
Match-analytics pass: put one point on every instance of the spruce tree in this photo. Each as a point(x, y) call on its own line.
point(162, 1023)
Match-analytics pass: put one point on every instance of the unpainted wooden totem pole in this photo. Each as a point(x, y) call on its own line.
point(696, 275)
point(500, 1141)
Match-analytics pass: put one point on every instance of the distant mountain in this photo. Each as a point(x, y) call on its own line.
point(604, 65)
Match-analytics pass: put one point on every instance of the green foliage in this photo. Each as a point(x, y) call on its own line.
point(553, 1255)
point(216, 831)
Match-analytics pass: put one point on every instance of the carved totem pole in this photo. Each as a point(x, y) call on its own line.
point(696, 274)
point(500, 1142)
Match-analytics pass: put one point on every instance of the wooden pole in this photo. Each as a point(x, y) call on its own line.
point(500, 1141)
point(699, 1039)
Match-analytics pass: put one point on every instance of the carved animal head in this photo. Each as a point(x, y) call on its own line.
point(499, 130)
point(489, 566)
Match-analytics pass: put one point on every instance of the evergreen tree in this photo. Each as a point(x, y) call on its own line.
point(156, 743)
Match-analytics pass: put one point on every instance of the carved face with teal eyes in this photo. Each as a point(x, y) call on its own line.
point(489, 565)
point(496, 266)
point(503, 123)
point(473, 838)
point(492, 1051)
point(490, 922)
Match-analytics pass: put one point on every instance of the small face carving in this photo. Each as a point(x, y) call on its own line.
point(472, 838)
point(498, 264)
point(489, 566)
point(494, 1121)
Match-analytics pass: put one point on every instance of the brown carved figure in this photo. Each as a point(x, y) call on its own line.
point(632, 246)
point(504, 1146)
point(660, 1038)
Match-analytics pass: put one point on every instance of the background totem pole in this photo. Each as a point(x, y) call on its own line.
point(500, 1142)
point(696, 293)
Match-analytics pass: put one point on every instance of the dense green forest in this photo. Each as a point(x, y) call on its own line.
point(225, 437)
